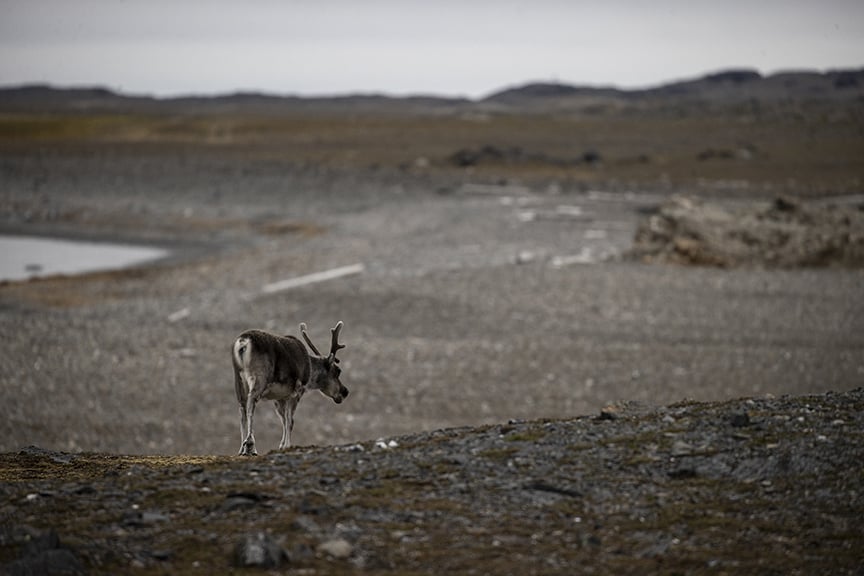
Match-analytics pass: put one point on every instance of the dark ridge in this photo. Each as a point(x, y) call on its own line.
point(725, 86)
point(548, 90)
point(734, 76)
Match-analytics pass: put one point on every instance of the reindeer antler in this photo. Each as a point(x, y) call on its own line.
point(334, 341)
point(308, 341)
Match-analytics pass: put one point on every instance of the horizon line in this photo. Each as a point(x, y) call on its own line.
point(259, 92)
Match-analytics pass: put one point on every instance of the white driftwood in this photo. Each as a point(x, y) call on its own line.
point(313, 278)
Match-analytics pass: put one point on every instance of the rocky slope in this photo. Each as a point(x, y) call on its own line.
point(762, 485)
point(785, 233)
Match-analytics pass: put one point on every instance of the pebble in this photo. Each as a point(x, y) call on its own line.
point(525, 257)
point(681, 448)
point(740, 420)
point(338, 548)
point(259, 550)
point(305, 524)
point(136, 518)
point(385, 445)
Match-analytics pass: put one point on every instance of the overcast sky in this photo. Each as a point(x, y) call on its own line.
point(448, 47)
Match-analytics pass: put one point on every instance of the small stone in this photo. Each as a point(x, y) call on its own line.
point(338, 548)
point(740, 420)
point(178, 315)
point(259, 550)
point(300, 552)
point(525, 257)
point(237, 502)
point(593, 540)
point(683, 473)
point(681, 448)
point(137, 518)
point(305, 524)
point(153, 517)
point(385, 444)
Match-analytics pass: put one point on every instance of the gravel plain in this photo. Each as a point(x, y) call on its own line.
point(526, 397)
point(478, 302)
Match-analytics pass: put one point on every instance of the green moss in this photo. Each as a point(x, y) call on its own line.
point(498, 453)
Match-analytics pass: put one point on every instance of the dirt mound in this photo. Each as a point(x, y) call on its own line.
point(787, 233)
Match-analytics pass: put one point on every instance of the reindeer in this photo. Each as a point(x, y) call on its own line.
point(278, 368)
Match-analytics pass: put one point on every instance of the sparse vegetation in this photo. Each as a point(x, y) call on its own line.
point(739, 507)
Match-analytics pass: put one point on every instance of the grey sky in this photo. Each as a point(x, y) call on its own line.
point(448, 47)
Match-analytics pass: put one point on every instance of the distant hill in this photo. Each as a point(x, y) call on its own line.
point(749, 84)
point(49, 98)
point(728, 86)
point(725, 86)
point(546, 90)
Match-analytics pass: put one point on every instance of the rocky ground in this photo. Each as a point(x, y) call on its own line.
point(783, 233)
point(478, 302)
point(495, 281)
point(749, 486)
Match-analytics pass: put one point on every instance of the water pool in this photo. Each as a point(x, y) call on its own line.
point(24, 257)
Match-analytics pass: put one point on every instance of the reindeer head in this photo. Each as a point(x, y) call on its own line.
point(326, 378)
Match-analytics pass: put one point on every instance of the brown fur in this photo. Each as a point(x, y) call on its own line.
point(279, 368)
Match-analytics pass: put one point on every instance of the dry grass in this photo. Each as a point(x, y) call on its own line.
point(26, 467)
point(815, 148)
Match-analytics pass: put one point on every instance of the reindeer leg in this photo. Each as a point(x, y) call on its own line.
point(290, 406)
point(281, 410)
point(248, 447)
point(242, 393)
point(242, 426)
